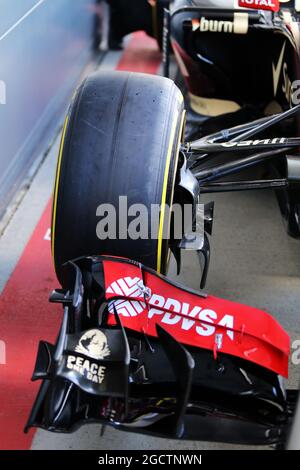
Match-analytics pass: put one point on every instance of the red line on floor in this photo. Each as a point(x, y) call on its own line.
point(25, 314)
point(26, 317)
point(141, 55)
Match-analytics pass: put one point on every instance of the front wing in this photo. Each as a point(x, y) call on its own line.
point(143, 354)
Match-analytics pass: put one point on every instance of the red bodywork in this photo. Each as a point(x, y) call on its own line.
point(144, 299)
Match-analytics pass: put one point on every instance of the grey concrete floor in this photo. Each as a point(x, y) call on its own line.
point(253, 262)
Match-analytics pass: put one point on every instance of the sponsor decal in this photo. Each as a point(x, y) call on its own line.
point(193, 318)
point(246, 143)
point(288, 86)
point(214, 26)
point(92, 344)
point(272, 5)
point(239, 25)
point(128, 287)
point(169, 311)
point(90, 370)
point(277, 69)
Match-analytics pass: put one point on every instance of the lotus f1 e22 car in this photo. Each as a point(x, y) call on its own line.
point(135, 350)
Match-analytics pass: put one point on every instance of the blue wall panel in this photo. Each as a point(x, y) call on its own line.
point(43, 48)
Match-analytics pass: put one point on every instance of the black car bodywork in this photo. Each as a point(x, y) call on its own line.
point(236, 65)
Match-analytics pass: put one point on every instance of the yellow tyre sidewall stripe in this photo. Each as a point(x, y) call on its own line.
point(180, 140)
point(165, 184)
point(56, 186)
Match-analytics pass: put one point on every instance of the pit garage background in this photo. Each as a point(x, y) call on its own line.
point(44, 46)
point(45, 50)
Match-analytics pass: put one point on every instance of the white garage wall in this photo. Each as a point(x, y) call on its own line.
point(44, 45)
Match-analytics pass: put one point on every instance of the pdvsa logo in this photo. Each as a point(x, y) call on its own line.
point(166, 310)
point(128, 287)
point(174, 312)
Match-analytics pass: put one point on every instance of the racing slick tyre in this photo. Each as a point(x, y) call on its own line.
point(121, 137)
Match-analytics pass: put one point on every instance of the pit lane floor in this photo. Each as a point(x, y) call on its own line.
point(249, 238)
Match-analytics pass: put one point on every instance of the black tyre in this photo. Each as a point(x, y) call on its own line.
point(121, 138)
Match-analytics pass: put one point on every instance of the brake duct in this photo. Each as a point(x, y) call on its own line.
point(195, 235)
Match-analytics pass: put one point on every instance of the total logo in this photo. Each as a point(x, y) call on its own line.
point(272, 5)
point(166, 310)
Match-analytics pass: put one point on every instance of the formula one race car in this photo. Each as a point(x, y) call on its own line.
point(136, 350)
